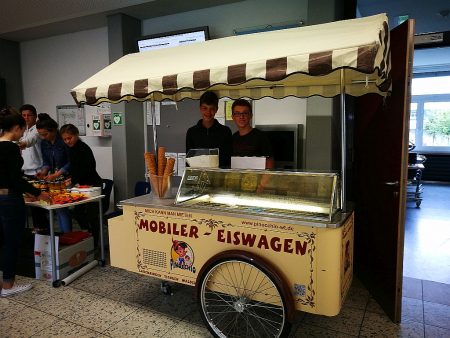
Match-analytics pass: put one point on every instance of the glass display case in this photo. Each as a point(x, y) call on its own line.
point(281, 194)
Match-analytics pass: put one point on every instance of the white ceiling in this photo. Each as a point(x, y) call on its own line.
point(23, 20)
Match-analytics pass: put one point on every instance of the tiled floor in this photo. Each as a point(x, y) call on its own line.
point(109, 302)
point(427, 236)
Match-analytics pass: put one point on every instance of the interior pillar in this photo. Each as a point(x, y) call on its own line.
point(127, 139)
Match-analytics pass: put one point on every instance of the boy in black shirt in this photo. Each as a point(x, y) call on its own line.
point(249, 141)
point(208, 132)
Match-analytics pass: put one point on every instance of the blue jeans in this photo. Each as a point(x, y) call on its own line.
point(12, 224)
point(64, 220)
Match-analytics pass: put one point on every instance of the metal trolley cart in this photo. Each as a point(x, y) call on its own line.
point(256, 246)
point(415, 187)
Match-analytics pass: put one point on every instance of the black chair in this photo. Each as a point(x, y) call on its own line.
point(142, 188)
point(107, 186)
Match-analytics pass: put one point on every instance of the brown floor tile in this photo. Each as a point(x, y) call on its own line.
point(377, 325)
point(100, 314)
point(357, 297)
point(187, 330)
point(309, 331)
point(142, 323)
point(65, 329)
point(8, 307)
point(348, 321)
point(374, 307)
point(25, 323)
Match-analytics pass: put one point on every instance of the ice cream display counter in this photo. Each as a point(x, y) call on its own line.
point(256, 245)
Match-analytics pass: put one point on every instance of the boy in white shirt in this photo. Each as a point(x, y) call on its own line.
point(30, 142)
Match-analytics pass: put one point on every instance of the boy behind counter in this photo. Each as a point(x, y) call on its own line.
point(208, 132)
point(249, 141)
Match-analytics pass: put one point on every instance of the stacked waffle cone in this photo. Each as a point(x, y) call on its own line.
point(159, 169)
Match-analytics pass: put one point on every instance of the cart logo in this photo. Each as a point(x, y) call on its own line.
point(182, 256)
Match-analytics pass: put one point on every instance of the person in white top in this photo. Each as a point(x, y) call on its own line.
point(30, 146)
point(30, 142)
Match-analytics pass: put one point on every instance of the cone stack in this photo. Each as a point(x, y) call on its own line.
point(168, 170)
point(159, 171)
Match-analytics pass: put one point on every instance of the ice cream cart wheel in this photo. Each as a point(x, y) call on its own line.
point(239, 297)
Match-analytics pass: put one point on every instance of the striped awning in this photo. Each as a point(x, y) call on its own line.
point(302, 62)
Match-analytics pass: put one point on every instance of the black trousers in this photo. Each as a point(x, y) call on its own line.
point(88, 218)
point(12, 224)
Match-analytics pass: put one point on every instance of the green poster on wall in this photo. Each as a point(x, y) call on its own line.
point(118, 119)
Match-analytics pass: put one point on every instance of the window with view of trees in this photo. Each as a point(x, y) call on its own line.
point(430, 114)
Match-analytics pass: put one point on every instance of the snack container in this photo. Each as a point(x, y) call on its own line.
point(203, 158)
point(89, 192)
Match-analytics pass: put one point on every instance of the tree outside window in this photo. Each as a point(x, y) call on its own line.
point(436, 124)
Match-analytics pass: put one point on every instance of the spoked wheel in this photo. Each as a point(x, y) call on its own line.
point(238, 298)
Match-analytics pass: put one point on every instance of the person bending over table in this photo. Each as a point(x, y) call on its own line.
point(55, 158)
point(83, 172)
point(12, 204)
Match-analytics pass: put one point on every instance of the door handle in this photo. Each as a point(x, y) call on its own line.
point(393, 184)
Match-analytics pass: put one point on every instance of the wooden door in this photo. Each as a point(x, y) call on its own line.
point(381, 140)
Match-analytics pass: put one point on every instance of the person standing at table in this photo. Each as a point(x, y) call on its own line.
point(12, 204)
point(30, 144)
point(208, 132)
point(55, 154)
point(55, 158)
point(249, 141)
point(83, 171)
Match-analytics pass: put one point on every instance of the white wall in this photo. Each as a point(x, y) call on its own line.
point(51, 67)
point(290, 110)
point(319, 106)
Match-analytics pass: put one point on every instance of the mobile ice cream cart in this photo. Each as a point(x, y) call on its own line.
point(257, 245)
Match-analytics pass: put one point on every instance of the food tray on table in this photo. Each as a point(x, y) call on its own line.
point(86, 190)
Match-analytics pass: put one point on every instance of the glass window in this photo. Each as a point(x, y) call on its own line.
point(436, 124)
point(430, 114)
point(431, 85)
point(412, 123)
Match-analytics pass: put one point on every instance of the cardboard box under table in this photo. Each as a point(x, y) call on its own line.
point(52, 261)
point(70, 258)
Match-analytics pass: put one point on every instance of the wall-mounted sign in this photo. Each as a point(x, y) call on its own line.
point(107, 125)
point(96, 125)
point(118, 119)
